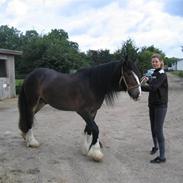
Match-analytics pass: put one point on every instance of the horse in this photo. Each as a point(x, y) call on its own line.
point(83, 92)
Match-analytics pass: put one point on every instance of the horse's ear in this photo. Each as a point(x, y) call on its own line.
point(125, 59)
point(125, 64)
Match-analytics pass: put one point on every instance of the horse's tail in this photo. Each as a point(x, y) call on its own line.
point(25, 111)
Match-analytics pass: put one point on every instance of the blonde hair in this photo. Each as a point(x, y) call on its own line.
point(159, 57)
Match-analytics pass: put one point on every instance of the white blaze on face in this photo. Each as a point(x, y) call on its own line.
point(137, 79)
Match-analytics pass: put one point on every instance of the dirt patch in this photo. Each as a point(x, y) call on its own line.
point(124, 131)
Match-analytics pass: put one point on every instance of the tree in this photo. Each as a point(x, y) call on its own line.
point(99, 56)
point(57, 34)
point(170, 61)
point(29, 36)
point(145, 57)
point(62, 54)
point(53, 50)
point(144, 60)
point(9, 37)
point(128, 51)
point(33, 53)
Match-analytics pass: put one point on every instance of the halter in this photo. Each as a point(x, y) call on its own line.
point(124, 79)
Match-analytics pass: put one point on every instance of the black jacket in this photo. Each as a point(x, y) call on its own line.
point(158, 89)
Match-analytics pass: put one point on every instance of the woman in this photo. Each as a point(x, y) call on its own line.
point(157, 86)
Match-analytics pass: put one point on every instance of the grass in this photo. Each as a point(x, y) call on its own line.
point(178, 73)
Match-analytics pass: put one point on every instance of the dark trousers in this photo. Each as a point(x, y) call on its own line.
point(157, 116)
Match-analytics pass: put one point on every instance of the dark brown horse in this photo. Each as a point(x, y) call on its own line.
point(83, 92)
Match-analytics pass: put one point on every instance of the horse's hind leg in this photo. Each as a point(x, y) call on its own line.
point(39, 105)
point(26, 105)
point(30, 139)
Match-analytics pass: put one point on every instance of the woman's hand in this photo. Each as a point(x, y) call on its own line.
point(144, 80)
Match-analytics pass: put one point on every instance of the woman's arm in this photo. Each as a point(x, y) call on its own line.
point(145, 84)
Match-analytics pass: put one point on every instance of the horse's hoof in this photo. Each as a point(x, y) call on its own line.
point(95, 154)
point(23, 135)
point(33, 144)
point(31, 140)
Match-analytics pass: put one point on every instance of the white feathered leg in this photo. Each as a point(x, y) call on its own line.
point(86, 143)
point(95, 152)
point(30, 139)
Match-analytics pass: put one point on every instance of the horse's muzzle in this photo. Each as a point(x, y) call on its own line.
point(135, 93)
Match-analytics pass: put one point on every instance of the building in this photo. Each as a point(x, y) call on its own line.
point(7, 73)
point(178, 65)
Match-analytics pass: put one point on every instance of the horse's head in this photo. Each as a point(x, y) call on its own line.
point(129, 76)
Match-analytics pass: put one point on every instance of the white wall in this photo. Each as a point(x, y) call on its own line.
point(4, 88)
point(177, 66)
point(180, 65)
point(7, 84)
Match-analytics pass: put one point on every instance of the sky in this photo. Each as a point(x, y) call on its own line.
point(102, 24)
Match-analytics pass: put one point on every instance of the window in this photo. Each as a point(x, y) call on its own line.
point(3, 72)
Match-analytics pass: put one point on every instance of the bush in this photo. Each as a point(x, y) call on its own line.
point(178, 73)
point(19, 83)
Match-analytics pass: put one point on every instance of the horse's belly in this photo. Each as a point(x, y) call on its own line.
point(68, 98)
point(64, 103)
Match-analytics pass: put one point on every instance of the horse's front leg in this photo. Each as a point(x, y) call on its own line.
point(91, 141)
point(30, 139)
point(95, 150)
point(87, 140)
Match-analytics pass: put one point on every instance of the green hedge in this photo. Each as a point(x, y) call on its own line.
point(178, 73)
point(19, 83)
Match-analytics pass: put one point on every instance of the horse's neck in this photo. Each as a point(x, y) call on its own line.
point(108, 79)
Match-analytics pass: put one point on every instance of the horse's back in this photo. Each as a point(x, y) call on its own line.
point(36, 79)
point(41, 72)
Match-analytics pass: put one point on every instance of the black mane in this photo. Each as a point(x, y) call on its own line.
point(104, 80)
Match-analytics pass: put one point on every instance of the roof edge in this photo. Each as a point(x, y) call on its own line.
point(10, 52)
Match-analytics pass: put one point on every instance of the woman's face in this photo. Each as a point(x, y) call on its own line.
point(156, 63)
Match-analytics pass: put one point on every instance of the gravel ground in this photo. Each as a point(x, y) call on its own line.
point(124, 132)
